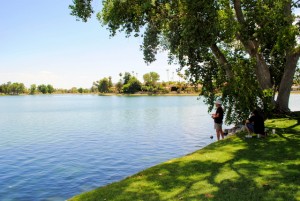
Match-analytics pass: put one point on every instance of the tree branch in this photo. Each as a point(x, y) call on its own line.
point(251, 46)
point(222, 59)
point(238, 10)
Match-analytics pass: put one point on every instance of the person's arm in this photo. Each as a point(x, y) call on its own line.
point(216, 115)
point(250, 120)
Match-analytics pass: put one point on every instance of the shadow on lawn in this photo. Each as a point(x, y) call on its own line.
point(257, 172)
point(255, 169)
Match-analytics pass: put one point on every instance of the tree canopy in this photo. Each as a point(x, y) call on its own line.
point(242, 51)
point(15, 88)
point(151, 78)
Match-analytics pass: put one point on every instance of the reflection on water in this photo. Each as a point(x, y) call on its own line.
point(53, 147)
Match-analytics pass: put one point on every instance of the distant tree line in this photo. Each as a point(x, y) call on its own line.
point(127, 84)
point(12, 88)
point(17, 88)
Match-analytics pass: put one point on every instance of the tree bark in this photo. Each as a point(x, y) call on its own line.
point(282, 102)
point(292, 57)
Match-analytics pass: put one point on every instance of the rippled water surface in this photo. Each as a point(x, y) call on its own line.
point(54, 147)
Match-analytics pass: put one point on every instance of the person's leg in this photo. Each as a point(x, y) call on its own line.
point(221, 131)
point(217, 131)
point(218, 134)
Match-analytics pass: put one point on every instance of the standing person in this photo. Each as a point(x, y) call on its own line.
point(218, 119)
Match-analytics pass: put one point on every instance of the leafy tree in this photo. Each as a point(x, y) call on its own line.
point(151, 78)
point(73, 90)
point(14, 88)
point(50, 89)
point(80, 90)
point(119, 86)
point(42, 88)
point(5, 88)
point(110, 84)
point(94, 88)
point(126, 77)
point(86, 91)
point(241, 50)
point(103, 86)
point(32, 89)
point(133, 86)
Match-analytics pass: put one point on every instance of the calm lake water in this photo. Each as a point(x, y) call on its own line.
point(54, 147)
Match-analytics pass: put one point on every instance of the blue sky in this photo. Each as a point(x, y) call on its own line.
point(41, 43)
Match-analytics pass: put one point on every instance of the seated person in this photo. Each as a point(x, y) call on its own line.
point(255, 124)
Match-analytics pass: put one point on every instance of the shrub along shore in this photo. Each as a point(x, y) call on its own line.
point(236, 168)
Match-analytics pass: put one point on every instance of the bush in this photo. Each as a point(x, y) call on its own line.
point(133, 86)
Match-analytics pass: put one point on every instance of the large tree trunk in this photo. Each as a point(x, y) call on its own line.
point(292, 57)
point(263, 73)
point(286, 83)
point(262, 70)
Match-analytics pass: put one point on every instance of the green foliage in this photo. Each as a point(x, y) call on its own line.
point(94, 88)
point(151, 78)
point(12, 88)
point(133, 86)
point(32, 89)
point(103, 86)
point(80, 90)
point(16, 88)
point(213, 41)
point(73, 90)
point(110, 84)
point(42, 88)
point(82, 9)
point(119, 86)
point(126, 77)
point(50, 89)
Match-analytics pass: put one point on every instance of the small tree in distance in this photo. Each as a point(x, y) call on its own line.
point(103, 86)
point(151, 78)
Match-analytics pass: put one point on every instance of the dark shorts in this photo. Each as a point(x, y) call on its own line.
point(250, 127)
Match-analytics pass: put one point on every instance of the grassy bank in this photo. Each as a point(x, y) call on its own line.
point(232, 169)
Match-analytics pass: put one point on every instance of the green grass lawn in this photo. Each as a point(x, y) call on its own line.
point(232, 169)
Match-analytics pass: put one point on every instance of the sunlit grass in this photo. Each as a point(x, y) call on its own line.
point(236, 168)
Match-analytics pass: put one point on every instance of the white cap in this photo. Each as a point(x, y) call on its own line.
point(218, 102)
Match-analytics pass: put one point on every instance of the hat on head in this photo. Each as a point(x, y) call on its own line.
point(218, 102)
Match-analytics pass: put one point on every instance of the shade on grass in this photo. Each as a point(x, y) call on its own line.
point(236, 168)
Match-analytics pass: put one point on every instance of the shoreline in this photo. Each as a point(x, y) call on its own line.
point(117, 94)
point(236, 168)
point(106, 94)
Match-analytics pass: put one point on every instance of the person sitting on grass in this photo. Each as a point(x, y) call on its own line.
point(255, 124)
